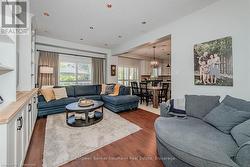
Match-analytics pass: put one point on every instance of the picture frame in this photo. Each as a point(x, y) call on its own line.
point(113, 70)
point(213, 63)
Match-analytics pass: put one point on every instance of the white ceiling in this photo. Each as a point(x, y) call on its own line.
point(70, 19)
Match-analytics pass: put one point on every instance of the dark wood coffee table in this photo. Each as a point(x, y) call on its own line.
point(73, 107)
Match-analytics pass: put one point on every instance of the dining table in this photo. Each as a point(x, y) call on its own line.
point(155, 91)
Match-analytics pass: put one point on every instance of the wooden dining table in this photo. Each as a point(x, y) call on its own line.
point(155, 91)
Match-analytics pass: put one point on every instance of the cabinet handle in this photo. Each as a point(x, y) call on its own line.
point(20, 120)
point(34, 99)
point(29, 108)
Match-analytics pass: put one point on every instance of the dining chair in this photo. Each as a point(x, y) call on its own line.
point(163, 94)
point(155, 83)
point(145, 93)
point(135, 89)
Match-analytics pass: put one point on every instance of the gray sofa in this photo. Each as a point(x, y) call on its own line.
point(124, 101)
point(191, 142)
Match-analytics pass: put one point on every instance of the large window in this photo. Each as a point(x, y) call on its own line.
point(75, 71)
point(127, 75)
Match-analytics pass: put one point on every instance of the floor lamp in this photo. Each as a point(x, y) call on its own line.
point(45, 70)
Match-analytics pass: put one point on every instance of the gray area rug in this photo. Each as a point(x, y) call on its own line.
point(64, 143)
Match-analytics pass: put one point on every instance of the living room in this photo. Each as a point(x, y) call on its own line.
point(68, 83)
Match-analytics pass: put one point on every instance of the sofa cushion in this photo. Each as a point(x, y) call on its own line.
point(85, 90)
point(241, 132)
point(56, 103)
point(196, 142)
point(124, 90)
point(239, 104)
point(199, 106)
point(225, 117)
point(60, 93)
point(116, 100)
point(48, 94)
point(92, 97)
point(69, 89)
point(242, 158)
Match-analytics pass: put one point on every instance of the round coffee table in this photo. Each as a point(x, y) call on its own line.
point(74, 107)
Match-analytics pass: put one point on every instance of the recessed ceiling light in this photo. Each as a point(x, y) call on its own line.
point(91, 27)
point(45, 13)
point(109, 5)
point(81, 39)
point(119, 36)
point(144, 22)
point(105, 44)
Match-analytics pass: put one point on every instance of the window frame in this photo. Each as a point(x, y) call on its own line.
point(75, 60)
point(124, 79)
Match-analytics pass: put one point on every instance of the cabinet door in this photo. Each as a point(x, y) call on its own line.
point(19, 139)
point(29, 118)
point(16, 139)
point(34, 110)
point(11, 141)
point(25, 127)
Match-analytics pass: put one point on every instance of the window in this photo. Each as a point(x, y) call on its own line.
point(154, 73)
point(74, 72)
point(126, 75)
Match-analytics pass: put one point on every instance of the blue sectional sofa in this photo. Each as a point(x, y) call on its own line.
point(124, 101)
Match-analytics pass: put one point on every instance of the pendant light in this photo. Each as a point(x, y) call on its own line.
point(154, 63)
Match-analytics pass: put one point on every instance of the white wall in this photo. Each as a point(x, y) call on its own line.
point(128, 62)
point(221, 19)
point(55, 45)
point(24, 52)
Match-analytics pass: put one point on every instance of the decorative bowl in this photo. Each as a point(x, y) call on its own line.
point(85, 103)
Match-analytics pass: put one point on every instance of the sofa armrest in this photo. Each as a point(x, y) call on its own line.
point(41, 98)
point(165, 109)
point(242, 157)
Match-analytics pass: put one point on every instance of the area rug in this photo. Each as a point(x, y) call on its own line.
point(64, 143)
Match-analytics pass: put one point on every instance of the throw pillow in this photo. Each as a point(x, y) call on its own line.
point(103, 89)
point(116, 90)
point(241, 132)
point(239, 104)
point(107, 89)
point(225, 117)
point(242, 157)
point(177, 108)
point(199, 106)
point(60, 93)
point(48, 94)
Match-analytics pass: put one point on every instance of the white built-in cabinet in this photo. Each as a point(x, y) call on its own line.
point(16, 134)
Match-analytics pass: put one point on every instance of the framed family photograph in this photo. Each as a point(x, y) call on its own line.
point(213, 63)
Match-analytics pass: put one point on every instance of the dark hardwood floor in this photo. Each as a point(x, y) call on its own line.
point(135, 150)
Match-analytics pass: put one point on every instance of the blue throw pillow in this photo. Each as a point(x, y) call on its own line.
point(225, 117)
